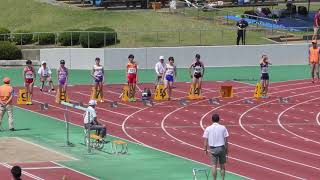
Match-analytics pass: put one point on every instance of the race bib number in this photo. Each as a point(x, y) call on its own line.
point(197, 69)
point(132, 70)
point(29, 75)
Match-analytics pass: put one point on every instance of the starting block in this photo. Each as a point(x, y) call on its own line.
point(226, 91)
point(258, 91)
point(116, 143)
point(248, 101)
point(95, 95)
point(160, 94)
point(22, 97)
point(62, 96)
point(125, 93)
point(283, 100)
point(214, 101)
point(183, 102)
point(114, 104)
point(148, 103)
point(44, 106)
point(195, 93)
point(200, 170)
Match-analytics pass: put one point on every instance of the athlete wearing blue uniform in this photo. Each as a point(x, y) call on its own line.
point(98, 76)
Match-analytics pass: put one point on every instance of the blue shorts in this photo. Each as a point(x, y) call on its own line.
point(98, 79)
point(169, 78)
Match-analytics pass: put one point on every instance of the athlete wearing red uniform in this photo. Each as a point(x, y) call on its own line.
point(29, 76)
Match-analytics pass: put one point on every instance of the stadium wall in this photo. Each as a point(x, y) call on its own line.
point(213, 56)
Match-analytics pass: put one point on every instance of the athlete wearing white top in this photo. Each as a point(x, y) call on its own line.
point(216, 137)
point(44, 71)
point(159, 68)
point(170, 72)
point(168, 76)
point(45, 75)
point(98, 75)
point(91, 122)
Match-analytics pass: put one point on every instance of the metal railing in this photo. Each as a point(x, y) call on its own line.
point(127, 39)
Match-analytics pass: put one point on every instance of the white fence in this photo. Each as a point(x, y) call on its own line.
point(212, 56)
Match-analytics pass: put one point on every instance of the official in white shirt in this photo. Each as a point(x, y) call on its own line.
point(45, 75)
point(216, 138)
point(91, 122)
point(159, 68)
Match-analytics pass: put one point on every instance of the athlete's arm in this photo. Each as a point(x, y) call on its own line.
point(190, 68)
point(202, 68)
point(23, 73)
point(92, 73)
point(34, 73)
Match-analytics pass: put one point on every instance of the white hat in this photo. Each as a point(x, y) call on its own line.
point(92, 102)
point(161, 57)
point(43, 62)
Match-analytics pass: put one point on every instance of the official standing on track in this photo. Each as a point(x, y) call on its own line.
point(216, 137)
point(159, 68)
point(6, 95)
point(91, 122)
point(314, 52)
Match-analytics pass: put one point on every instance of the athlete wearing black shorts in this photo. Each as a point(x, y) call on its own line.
point(264, 66)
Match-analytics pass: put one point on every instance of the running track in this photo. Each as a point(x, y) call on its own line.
point(42, 171)
point(268, 139)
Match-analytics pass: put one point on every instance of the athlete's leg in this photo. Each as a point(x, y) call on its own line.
point(101, 90)
point(266, 87)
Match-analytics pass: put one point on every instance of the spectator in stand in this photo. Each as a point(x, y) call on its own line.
point(241, 33)
point(316, 24)
point(16, 173)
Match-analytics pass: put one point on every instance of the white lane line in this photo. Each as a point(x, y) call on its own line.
point(317, 118)
point(42, 168)
point(281, 125)
point(279, 144)
point(110, 100)
point(42, 147)
point(81, 114)
point(74, 170)
point(23, 172)
point(96, 108)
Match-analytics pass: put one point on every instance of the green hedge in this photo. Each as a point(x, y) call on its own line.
point(21, 39)
point(44, 38)
point(4, 34)
point(97, 38)
point(65, 37)
point(9, 51)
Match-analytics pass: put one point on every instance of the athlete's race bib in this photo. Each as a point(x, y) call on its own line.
point(132, 70)
point(29, 75)
point(198, 69)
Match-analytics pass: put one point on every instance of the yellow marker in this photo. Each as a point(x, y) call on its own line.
point(226, 91)
point(125, 93)
point(195, 93)
point(62, 97)
point(22, 97)
point(95, 95)
point(258, 91)
point(160, 95)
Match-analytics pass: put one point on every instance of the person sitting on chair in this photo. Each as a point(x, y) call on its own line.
point(91, 122)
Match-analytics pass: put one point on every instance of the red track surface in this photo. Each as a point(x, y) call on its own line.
point(268, 140)
point(41, 171)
